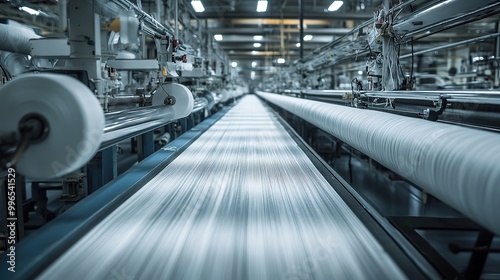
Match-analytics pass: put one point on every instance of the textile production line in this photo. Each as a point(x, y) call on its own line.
point(300, 180)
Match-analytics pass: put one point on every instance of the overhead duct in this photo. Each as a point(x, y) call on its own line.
point(457, 165)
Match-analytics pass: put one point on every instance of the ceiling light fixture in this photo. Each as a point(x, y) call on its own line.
point(257, 45)
point(261, 6)
point(30, 11)
point(254, 64)
point(252, 75)
point(280, 60)
point(298, 45)
point(197, 6)
point(255, 52)
point(308, 37)
point(258, 37)
point(218, 37)
point(335, 6)
point(234, 64)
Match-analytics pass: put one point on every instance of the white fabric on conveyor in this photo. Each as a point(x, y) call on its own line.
point(242, 202)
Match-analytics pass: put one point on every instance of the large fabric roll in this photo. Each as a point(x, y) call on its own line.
point(458, 165)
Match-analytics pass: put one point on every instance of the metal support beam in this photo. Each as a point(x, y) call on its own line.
point(497, 55)
point(183, 123)
point(145, 145)
point(176, 23)
point(190, 122)
point(159, 10)
point(101, 169)
point(301, 28)
point(478, 258)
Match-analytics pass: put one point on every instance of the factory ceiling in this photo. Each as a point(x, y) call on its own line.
point(238, 22)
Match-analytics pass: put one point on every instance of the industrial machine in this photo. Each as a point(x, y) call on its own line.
point(346, 163)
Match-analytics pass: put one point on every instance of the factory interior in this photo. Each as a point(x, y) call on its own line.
point(249, 139)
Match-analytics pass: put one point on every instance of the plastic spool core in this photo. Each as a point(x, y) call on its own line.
point(71, 118)
point(169, 100)
point(41, 127)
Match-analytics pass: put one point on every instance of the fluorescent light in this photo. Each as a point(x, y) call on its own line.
point(197, 6)
point(234, 64)
point(261, 6)
point(252, 75)
point(257, 45)
point(255, 52)
point(280, 60)
point(218, 37)
point(30, 10)
point(298, 45)
point(258, 37)
point(254, 64)
point(308, 37)
point(335, 6)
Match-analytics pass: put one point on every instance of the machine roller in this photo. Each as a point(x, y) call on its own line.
point(59, 125)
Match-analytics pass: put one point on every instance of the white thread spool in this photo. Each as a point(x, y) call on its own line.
point(73, 114)
point(183, 98)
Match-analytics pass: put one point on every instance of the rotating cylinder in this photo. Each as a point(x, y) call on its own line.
point(457, 165)
point(71, 114)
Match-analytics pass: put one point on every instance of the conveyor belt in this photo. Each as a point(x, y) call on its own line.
point(242, 202)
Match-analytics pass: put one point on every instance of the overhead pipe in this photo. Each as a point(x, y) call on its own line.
point(319, 51)
point(455, 164)
point(474, 108)
point(159, 10)
point(62, 6)
point(444, 15)
point(473, 40)
point(404, 24)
